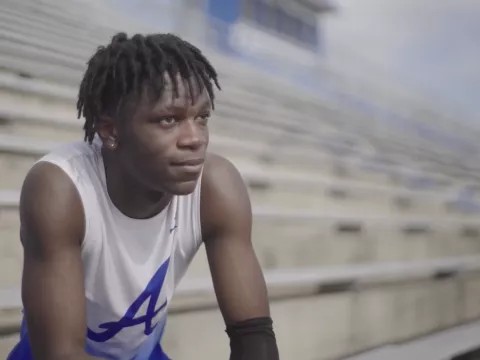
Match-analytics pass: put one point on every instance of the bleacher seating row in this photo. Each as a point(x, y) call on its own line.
point(288, 238)
point(443, 345)
point(329, 313)
point(79, 53)
point(350, 224)
point(29, 119)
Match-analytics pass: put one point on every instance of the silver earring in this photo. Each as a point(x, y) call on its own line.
point(111, 143)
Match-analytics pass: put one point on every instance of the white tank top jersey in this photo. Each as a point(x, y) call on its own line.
point(131, 267)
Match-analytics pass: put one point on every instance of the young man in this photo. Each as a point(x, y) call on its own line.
point(109, 227)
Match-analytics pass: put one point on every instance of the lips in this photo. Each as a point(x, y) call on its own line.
point(188, 162)
point(192, 166)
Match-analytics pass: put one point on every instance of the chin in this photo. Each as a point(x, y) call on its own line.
point(183, 188)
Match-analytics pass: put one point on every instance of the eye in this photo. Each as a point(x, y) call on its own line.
point(203, 117)
point(167, 121)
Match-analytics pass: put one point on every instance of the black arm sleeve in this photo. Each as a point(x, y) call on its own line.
point(253, 339)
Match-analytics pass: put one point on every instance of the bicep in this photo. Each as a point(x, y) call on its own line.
point(236, 272)
point(52, 284)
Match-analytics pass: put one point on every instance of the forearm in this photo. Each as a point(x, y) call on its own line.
point(253, 340)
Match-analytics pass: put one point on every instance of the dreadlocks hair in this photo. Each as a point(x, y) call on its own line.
point(117, 72)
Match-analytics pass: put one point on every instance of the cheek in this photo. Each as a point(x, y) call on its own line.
point(205, 132)
point(143, 154)
point(148, 163)
point(207, 136)
point(153, 142)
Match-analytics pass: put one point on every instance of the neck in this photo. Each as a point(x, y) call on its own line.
point(129, 196)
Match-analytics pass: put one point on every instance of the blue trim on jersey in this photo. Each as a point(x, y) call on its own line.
point(22, 350)
point(150, 294)
point(153, 350)
point(149, 350)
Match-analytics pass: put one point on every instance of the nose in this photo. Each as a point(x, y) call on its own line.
point(191, 135)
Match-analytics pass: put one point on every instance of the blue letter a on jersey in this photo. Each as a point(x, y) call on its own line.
point(150, 294)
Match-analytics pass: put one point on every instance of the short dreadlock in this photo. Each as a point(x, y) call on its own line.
point(118, 71)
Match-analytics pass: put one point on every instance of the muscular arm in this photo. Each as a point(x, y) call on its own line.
point(52, 227)
point(237, 276)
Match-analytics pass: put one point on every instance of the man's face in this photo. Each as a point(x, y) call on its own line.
point(163, 145)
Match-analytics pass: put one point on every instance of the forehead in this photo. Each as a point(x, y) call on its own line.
point(180, 92)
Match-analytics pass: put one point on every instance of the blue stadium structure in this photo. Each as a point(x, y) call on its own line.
point(365, 202)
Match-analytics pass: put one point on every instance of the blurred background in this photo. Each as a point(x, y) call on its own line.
point(355, 126)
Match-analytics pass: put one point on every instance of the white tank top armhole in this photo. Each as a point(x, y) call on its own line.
point(66, 167)
point(197, 220)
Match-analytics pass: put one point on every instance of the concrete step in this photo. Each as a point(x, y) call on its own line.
point(17, 155)
point(335, 325)
point(243, 119)
point(239, 151)
point(289, 239)
point(7, 344)
point(64, 56)
point(372, 315)
point(11, 252)
point(276, 188)
point(249, 103)
point(47, 120)
point(450, 343)
point(233, 103)
point(236, 104)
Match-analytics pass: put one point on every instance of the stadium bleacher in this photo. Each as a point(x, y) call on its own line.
point(349, 222)
point(331, 312)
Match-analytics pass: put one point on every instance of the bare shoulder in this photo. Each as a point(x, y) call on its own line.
point(224, 195)
point(221, 180)
point(44, 176)
point(218, 170)
point(52, 228)
point(49, 205)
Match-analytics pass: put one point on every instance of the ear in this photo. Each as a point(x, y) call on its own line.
point(108, 132)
